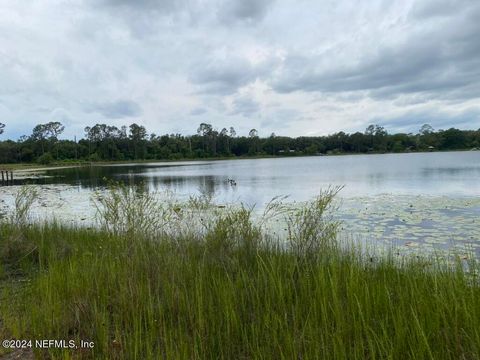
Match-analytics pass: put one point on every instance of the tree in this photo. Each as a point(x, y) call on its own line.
point(380, 131)
point(204, 129)
point(253, 135)
point(208, 137)
point(39, 134)
point(453, 139)
point(370, 130)
point(102, 141)
point(425, 129)
point(49, 131)
point(138, 134)
point(376, 134)
point(2, 127)
point(426, 138)
point(224, 141)
point(54, 129)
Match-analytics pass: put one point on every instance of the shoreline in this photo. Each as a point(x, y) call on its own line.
point(33, 167)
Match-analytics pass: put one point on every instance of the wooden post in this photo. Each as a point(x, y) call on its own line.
point(11, 177)
point(3, 179)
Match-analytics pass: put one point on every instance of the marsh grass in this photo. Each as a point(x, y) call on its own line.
point(228, 289)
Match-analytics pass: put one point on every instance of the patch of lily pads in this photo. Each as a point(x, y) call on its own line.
point(411, 224)
point(424, 223)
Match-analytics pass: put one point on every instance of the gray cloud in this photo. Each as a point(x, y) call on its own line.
point(439, 8)
point(245, 106)
point(227, 11)
point(442, 60)
point(334, 65)
point(243, 10)
point(411, 121)
point(116, 110)
point(280, 118)
point(223, 76)
point(198, 111)
point(143, 5)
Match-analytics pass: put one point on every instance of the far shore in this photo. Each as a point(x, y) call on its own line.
point(35, 167)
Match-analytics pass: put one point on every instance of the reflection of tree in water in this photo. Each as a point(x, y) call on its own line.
point(206, 186)
point(93, 177)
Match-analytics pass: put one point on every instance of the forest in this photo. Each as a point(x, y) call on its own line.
point(104, 142)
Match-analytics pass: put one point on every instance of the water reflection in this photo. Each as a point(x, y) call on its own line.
point(403, 199)
point(259, 180)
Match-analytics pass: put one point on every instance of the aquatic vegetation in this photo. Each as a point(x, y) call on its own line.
point(24, 200)
point(232, 289)
point(441, 222)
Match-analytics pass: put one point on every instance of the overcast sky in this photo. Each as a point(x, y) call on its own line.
point(293, 67)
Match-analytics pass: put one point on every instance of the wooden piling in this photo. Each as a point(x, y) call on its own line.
point(6, 177)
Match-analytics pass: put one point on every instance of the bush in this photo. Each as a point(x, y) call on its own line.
point(94, 157)
point(45, 159)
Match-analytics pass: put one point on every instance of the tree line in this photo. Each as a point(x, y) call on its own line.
point(104, 142)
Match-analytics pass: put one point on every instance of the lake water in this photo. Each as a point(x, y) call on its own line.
point(419, 198)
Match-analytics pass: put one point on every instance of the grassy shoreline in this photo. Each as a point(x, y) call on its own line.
point(69, 163)
point(146, 284)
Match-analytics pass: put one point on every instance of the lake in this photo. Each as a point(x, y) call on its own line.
point(416, 199)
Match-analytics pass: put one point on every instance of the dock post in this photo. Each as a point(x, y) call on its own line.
point(3, 179)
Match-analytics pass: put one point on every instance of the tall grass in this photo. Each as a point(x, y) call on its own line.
point(233, 292)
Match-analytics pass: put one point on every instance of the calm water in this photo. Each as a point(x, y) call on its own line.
point(258, 180)
point(417, 201)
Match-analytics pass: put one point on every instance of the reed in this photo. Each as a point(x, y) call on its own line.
point(229, 289)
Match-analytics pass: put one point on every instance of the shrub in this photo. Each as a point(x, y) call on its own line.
point(45, 159)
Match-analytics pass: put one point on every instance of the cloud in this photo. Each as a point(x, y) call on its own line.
point(440, 8)
point(198, 111)
point(411, 121)
point(164, 6)
point(117, 110)
point(245, 106)
point(243, 10)
point(278, 119)
point(227, 11)
point(334, 65)
point(223, 75)
point(442, 60)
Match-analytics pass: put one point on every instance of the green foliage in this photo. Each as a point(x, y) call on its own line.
point(45, 159)
point(453, 139)
point(94, 157)
point(108, 143)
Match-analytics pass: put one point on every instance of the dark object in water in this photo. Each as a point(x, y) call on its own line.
point(7, 179)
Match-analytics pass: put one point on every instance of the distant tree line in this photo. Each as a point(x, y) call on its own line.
point(108, 143)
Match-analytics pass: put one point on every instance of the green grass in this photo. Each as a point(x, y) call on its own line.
point(231, 291)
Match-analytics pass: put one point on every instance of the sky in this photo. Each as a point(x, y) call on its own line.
point(292, 67)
